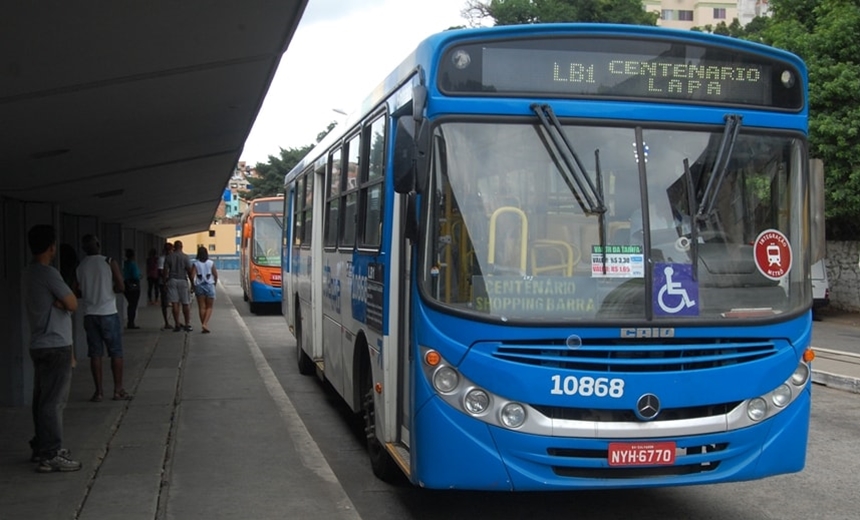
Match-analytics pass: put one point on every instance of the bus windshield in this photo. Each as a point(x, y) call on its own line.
point(510, 237)
point(267, 241)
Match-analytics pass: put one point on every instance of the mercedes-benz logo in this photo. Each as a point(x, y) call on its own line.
point(647, 407)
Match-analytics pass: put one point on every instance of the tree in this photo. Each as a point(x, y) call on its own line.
point(822, 32)
point(514, 12)
point(270, 176)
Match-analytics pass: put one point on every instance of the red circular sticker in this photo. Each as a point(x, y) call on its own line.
point(772, 254)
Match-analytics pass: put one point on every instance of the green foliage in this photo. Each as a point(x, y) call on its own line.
point(514, 12)
point(823, 33)
point(270, 175)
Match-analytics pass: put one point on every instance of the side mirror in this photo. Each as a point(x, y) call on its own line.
point(404, 156)
point(246, 231)
point(422, 156)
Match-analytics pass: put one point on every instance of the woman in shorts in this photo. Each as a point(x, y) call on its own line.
point(205, 276)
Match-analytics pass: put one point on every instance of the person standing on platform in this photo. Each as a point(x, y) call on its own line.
point(49, 305)
point(177, 267)
point(131, 280)
point(152, 279)
point(162, 283)
point(99, 280)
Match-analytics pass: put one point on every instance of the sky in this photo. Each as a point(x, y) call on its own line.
point(319, 75)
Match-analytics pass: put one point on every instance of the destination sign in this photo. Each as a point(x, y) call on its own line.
point(621, 68)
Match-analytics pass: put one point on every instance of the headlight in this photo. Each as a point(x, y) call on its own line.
point(800, 375)
point(781, 396)
point(757, 409)
point(446, 379)
point(477, 401)
point(513, 415)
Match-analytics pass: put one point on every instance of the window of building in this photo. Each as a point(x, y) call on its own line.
point(211, 247)
point(719, 13)
point(686, 16)
point(211, 233)
point(667, 14)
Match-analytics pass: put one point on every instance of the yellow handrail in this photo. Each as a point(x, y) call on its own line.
point(524, 233)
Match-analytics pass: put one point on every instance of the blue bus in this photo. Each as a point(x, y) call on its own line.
point(564, 256)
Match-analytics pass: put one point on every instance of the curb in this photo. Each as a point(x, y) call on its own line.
point(849, 384)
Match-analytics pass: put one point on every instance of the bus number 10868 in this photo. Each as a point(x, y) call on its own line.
point(587, 386)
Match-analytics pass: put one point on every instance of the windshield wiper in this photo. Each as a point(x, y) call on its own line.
point(694, 224)
point(721, 166)
point(574, 173)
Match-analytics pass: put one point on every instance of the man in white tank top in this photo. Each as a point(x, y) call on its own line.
point(99, 281)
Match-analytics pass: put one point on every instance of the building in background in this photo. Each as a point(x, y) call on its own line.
point(686, 14)
point(232, 204)
point(221, 240)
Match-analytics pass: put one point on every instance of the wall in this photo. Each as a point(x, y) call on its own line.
point(843, 275)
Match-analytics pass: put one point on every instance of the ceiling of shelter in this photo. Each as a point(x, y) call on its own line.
point(134, 112)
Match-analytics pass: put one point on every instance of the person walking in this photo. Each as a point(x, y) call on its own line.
point(50, 303)
point(99, 279)
point(177, 268)
point(152, 279)
point(162, 283)
point(205, 276)
point(131, 280)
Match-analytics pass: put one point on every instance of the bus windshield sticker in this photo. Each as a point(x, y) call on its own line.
point(772, 254)
point(675, 291)
point(532, 295)
point(621, 261)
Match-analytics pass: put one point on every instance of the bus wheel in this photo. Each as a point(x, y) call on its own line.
point(306, 364)
point(380, 460)
point(253, 307)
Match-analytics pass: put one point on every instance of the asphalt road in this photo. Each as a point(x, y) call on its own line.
point(826, 489)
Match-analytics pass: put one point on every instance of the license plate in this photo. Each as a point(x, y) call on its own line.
point(276, 278)
point(641, 453)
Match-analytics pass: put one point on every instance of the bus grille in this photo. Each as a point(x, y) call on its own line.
point(606, 415)
point(640, 355)
point(689, 461)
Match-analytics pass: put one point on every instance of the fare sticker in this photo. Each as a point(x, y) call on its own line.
point(772, 254)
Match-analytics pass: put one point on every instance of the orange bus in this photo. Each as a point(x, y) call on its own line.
point(260, 251)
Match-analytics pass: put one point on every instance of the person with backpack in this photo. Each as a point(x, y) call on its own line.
point(205, 276)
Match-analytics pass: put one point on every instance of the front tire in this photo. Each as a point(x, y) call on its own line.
point(381, 462)
point(304, 362)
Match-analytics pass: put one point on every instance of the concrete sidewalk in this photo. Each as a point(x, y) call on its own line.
point(207, 435)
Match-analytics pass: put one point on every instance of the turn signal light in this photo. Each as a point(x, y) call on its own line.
point(432, 358)
point(809, 355)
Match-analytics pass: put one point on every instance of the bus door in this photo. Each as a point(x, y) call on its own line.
point(399, 357)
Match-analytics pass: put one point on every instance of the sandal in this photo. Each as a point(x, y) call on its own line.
point(96, 398)
point(122, 395)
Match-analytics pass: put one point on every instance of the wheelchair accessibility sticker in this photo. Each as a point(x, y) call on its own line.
point(675, 291)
